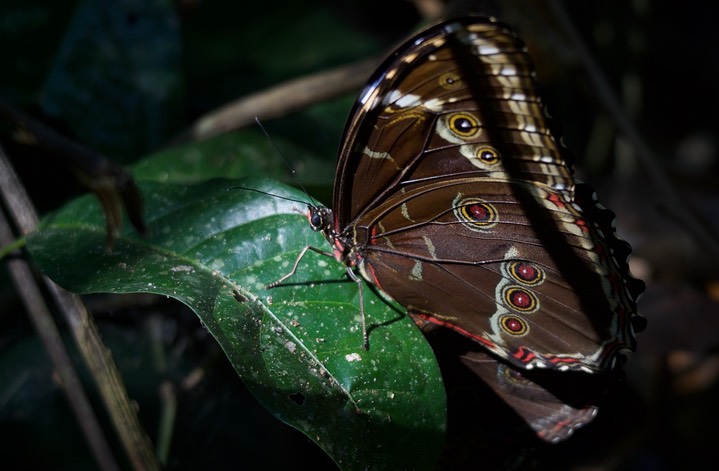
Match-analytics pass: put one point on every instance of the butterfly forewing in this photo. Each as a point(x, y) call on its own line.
point(419, 106)
point(453, 196)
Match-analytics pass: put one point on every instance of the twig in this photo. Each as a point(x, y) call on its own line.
point(167, 391)
point(281, 99)
point(46, 329)
point(112, 184)
point(96, 356)
point(666, 190)
point(168, 399)
point(6, 248)
point(430, 9)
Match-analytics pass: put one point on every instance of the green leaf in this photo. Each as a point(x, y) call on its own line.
point(237, 154)
point(298, 346)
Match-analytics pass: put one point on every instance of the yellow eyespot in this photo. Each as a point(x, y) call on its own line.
point(479, 213)
point(526, 273)
point(487, 155)
point(475, 213)
point(450, 81)
point(520, 299)
point(463, 125)
point(513, 325)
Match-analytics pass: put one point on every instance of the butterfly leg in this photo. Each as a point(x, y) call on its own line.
point(350, 273)
point(297, 263)
point(360, 287)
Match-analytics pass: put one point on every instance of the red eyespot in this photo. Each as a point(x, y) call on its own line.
point(513, 325)
point(526, 273)
point(478, 212)
point(520, 299)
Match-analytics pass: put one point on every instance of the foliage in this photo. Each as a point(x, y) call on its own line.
point(297, 347)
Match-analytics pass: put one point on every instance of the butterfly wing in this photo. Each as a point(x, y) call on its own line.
point(461, 205)
point(402, 130)
point(553, 419)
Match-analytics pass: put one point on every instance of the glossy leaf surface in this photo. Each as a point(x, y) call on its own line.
point(298, 347)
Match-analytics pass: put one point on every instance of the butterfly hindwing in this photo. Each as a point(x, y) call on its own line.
point(502, 290)
point(552, 418)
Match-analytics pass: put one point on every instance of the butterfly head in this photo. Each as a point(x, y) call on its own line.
point(320, 218)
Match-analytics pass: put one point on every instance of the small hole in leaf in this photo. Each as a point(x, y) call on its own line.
point(239, 297)
point(299, 398)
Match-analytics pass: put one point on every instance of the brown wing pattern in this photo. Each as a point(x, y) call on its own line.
point(460, 204)
point(408, 118)
point(552, 418)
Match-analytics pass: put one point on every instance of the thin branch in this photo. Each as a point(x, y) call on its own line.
point(7, 249)
point(282, 99)
point(112, 184)
point(96, 356)
point(40, 316)
point(430, 9)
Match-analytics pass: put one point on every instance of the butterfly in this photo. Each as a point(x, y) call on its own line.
point(454, 198)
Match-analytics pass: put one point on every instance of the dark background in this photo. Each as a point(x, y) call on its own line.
point(148, 69)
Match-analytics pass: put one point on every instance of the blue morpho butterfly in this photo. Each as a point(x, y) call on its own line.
point(454, 198)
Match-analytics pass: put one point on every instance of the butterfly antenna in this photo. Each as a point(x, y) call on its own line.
point(284, 160)
point(262, 192)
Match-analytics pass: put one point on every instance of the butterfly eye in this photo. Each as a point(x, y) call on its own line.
point(488, 155)
point(315, 220)
point(463, 125)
